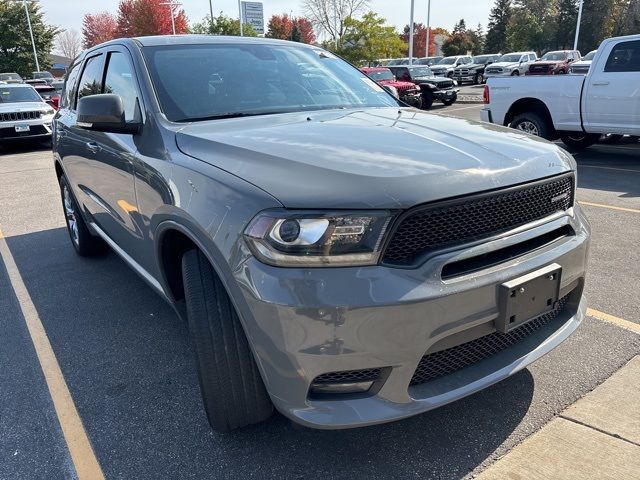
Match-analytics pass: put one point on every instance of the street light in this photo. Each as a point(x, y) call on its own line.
point(33, 43)
point(211, 12)
point(241, 25)
point(411, 34)
point(171, 5)
point(426, 50)
point(575, 43)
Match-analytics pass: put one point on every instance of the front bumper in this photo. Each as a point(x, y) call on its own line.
point(448, 94)
point(22, 129)
point(498, 75)
point(306, 322)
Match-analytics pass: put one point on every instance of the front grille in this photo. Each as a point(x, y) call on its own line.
point(494, 70)
point(366, 375)
point(16, 116)
point(454, 359)
point(404, 88)
point(442, 225)
point(445, 84)
point(539, 68)
point(462, 71)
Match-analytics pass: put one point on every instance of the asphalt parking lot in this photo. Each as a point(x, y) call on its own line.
point(127, 360)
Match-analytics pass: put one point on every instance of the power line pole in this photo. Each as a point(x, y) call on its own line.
point(171, 4)
point(411, 34)
point(575, 43)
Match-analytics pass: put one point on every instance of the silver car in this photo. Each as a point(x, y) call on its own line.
point(337, 255)
point(511, 65)
point(23, 113)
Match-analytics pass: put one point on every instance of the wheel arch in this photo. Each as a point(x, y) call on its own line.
point(530, 104)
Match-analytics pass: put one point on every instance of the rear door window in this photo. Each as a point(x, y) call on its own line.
point(70, 86)
point(625, 57)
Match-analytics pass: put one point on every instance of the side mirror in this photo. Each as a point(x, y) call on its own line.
point(104, 113)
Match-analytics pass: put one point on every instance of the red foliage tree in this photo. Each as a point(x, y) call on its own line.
point(98, 28)
point(285, 27)
point(420, 39)
point(138, 18)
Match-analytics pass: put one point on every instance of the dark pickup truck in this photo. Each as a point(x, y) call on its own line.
point(432, 88)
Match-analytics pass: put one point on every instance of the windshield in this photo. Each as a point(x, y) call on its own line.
point(202, 82)
point(380, 75)
point(447, 61)
point(554, 56)
point(18, 94)
point(481, 58)
point(10, 76)
point(42, 75)
point(590, 55)
point(421, 72)
point(510, 58)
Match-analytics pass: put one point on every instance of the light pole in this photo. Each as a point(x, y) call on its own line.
point(426, 50)
point(33, 43)
point(241, 25)
point(575, 43)
point(211, 13)
point(411, 34)
point(172, 4)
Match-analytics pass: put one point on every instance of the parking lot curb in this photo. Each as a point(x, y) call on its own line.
point(598, 437)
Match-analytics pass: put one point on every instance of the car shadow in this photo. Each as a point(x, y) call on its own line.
point(128, 363)
point(12, 147)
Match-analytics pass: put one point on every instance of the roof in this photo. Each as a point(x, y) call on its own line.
point(16, 85)
point(157, 40)
point(374, 69)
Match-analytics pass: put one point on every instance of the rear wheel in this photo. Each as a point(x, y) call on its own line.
point(610, 138)
point(232, 389)
point(477, 79)
point(86, 245)
point(579, 140)
point(450, 101)
point(531, 123)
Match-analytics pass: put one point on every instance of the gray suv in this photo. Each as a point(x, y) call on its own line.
point(338, 256)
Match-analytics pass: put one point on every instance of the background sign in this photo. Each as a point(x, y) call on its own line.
point(253, 14)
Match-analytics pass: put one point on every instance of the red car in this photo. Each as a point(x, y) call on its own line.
point(408, 92)
point(48, 93)
point(554, 63)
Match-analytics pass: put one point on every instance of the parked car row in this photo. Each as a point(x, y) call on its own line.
point(44, 83)
point(416, 85)
point(24, 113)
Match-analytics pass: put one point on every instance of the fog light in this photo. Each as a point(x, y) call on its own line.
point(349, 387)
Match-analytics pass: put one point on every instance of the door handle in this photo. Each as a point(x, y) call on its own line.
point(600, 84)
point(93, 146)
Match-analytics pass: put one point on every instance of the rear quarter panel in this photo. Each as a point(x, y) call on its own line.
point(560, 94)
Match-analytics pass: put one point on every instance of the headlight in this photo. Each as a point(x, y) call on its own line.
point(392, 90)
point(312, 239)
point(47, 111)
point(455, 83)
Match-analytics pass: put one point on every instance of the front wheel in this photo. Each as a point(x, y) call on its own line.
point(232, 389)
point(579, 141)
point(427, 99)
point(515, 73)
point(477, 79)
point(450, 101)
point(531, 123)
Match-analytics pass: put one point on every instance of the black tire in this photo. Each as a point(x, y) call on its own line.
point(579, 141)
point(477, 79)
point(427, 99)
point(85, 244)
point(450, 75)
point(450, 101)
point(532, 123)
point(515, 73)
point(232, 389)
point(610, 138)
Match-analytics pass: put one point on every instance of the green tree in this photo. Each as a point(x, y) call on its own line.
point(477, 38)
point(499, 19)
point(457, 44)
point(369, 39)
point(222, 25)
point(566, 23)
point(460, 27)
point(525, 32)
point(16, 51)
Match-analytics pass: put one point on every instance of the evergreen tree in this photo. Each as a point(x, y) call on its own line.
point(460, 27)
point(496, 40)
point(566, 23)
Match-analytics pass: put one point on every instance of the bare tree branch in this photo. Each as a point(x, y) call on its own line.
point(328, 16)
point(69, 43)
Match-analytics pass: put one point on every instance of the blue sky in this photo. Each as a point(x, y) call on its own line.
point(69, 13)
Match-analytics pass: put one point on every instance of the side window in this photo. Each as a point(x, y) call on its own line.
point(91, 80)
point(121, 81)
point(70, 86)
point(625, 57)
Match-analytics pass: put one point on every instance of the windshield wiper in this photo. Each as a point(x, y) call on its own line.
point(221, 116)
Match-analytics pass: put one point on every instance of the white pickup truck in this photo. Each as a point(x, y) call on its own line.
point(576, 108)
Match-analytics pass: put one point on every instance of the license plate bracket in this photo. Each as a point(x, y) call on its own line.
point(22, 128)
point(525, 298)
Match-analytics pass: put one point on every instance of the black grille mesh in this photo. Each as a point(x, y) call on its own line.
point(369, 374)
point(436, 227)
point(446, 362)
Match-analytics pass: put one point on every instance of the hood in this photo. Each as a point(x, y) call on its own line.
point(372, 158)
point(428, 79)
point(582, 63)
point(441, 67)
point(548, 63)
point(504, 64)
point(472, 66)
point(22, 106)
point(397, 84)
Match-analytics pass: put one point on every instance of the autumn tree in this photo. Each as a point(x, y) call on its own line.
point(285, 27)
point(16, 52)
point(222, 25)
point(69, 43)
point(329, 16)
point(369, 39)
point(419, 39)
point(460, 41)
point(496, 40)
point(98, 28)
point(139, 18)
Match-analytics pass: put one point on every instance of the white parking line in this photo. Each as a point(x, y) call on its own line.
point(609, 168)
point(82, 454)
point(449, 110)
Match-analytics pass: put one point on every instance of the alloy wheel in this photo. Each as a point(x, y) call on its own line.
point(70, 214)
point(528, 127)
